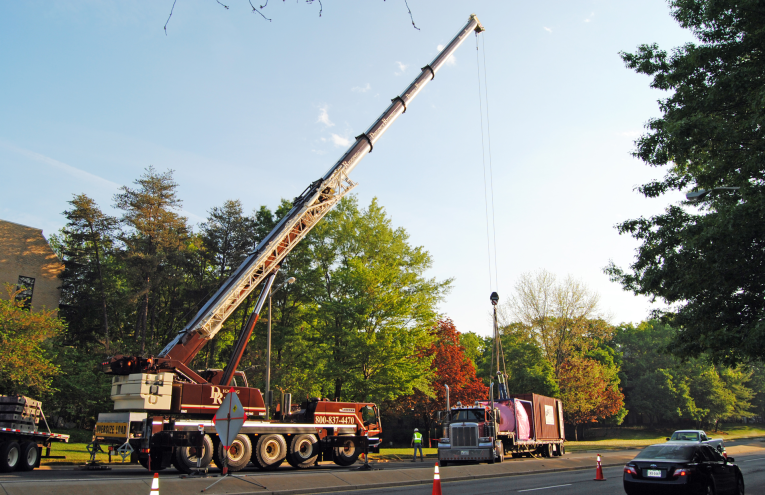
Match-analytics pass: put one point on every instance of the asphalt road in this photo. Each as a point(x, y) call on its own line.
point(749, 454)
point(565, 483)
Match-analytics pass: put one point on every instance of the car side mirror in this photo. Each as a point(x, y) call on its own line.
point(730, 459)
point(668, 439)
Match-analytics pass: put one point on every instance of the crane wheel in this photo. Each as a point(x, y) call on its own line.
point(10, 453)
point(304, 450)
point(239, 453)
point(347, 453)
point(270, 451)
point(185, 458)
point(144, 461)
point(30, 456)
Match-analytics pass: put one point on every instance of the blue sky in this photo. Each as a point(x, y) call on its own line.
point(93, 92)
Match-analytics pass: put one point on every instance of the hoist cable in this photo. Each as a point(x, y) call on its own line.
point(491, 170)
point(483, 159)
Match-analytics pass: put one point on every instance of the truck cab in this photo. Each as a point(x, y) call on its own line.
point(469, 436)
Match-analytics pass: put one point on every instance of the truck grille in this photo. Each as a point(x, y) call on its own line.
point(464, 436)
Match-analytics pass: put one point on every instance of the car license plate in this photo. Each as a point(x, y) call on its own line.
point(464, 452)
point(653, 473)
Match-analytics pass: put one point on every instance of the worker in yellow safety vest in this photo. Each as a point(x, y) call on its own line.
point(417, 444)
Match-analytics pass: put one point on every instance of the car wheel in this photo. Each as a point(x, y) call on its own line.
point(740, 486)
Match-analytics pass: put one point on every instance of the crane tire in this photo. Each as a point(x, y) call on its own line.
point(29, 456)
point(270, 451)
point(347, 454)
point(239, 453)
point(185, 458)
point(303, 452)
point(10, 454)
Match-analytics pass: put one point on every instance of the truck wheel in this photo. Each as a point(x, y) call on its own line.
point(30, 456)
point(156, 461)
point(185, 458)
point(9, 456)
point(270, 451)
point(239, 454)
point(347, 453)
point(304, 450)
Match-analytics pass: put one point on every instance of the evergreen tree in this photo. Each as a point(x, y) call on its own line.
point(157, 235)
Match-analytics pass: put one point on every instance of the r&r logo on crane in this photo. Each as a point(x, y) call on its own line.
point(217, 396)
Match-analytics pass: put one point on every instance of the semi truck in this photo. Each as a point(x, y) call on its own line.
point(488, 431)
point(21, 442)
point(510, 424)
point(163, 408)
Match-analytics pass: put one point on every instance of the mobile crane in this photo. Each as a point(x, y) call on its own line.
point(165, 407)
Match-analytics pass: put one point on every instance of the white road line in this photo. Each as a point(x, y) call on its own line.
point(543, 488)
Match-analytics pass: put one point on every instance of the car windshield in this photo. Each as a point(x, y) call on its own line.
point(692, 436)
point(468, 415)
point(674, 452)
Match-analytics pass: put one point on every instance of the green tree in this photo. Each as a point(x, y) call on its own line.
point(86, 242)
point(373, 305)
point(662, 387)
point(157, 234)
point(26, 365)
point(563, 317)
point(708, 264)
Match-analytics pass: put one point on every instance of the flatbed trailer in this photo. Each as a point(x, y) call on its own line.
point(23, 450)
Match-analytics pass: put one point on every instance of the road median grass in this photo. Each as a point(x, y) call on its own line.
point(615, 439)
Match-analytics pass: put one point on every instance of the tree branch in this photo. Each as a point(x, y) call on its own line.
point(259, 12)
point(410, 14)
point(171, 15)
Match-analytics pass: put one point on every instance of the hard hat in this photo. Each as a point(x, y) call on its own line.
point(416, 429)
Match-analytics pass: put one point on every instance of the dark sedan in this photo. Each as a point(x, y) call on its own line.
point(682, 468)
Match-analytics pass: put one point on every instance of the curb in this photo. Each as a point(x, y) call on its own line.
point(300, 491)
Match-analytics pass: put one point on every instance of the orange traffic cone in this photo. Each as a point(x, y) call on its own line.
point(599, 471)
point(436, 482)
point(155, 485)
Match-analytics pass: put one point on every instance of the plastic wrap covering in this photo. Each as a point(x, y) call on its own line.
point(507, 414)
point(522, 421)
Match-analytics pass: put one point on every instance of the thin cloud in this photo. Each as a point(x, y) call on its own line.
point(324, 117)
point(451, 60)
point(340, 140)
point(589, 18)
point(547, 29)
point(359, 89)
point(401, 68)
point(70, 170)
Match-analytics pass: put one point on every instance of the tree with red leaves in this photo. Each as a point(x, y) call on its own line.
point(451, 367)
point(587, 393)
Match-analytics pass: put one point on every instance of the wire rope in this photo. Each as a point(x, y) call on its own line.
point(491, 170)
point(483, 158)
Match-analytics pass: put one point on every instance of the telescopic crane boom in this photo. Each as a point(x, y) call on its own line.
point(307, 210)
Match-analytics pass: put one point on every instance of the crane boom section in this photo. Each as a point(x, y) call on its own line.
point(307, 210)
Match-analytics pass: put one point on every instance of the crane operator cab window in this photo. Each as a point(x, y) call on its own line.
point(469, 415)
point(369, 415)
